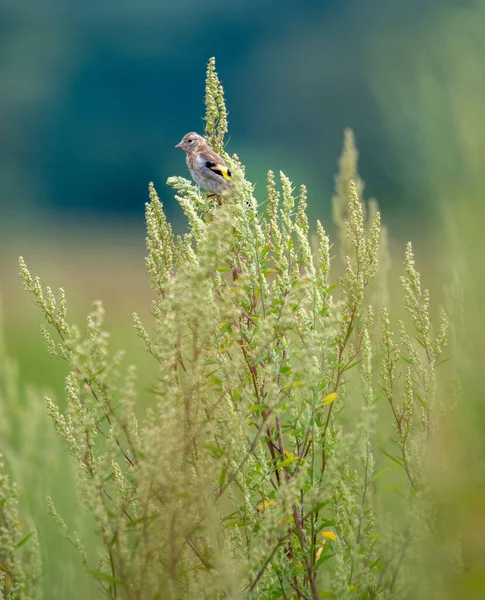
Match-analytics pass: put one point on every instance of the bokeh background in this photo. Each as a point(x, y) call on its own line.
point(94, 96)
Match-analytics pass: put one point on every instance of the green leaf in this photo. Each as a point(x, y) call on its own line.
point(141, 520)
point(210, 361)
point(421, 401)
point(352, 365)
point(237, 523)
point(222, 476)
point(287, 462)
point(376, 564)
point(443, 361)
point(318, 507)
point(258, 408)
point(24, 539)
point(226, 327)
point(218, 452)
point(396, 459)
point(101, 576)
point(323, 558)
point(211, 373)
point(380, 473)
point(420, 342)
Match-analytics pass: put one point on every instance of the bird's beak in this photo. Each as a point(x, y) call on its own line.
point(179, 145)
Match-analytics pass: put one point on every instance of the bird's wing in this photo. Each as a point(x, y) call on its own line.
point(215, 163)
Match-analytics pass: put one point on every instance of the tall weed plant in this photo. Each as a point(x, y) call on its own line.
point(287, 449)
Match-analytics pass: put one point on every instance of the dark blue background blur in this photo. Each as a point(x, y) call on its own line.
point(95, 94)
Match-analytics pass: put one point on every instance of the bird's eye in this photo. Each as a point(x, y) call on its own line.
point(190, 141)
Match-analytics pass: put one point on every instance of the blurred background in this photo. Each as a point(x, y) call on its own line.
point(94, 96)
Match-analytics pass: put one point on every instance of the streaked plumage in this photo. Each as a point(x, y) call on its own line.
point(208, 169)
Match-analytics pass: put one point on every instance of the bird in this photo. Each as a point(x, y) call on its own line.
point(207, 168)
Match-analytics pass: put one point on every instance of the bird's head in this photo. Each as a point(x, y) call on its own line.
point(191, 142)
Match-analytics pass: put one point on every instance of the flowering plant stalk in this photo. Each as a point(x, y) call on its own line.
point(258, 470)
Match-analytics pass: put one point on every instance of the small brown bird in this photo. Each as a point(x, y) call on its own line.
point(208, 169)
